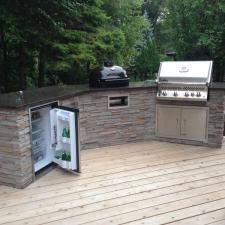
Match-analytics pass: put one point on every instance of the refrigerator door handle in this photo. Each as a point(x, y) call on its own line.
point(53, 127)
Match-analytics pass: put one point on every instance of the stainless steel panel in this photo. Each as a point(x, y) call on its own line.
point(182, 92)
point(194, 124)
point(168, 122)
point(182, 122)
point(185, 71)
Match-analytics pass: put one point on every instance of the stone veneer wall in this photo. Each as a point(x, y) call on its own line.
point(15, 148)
point(101, 126)
point(216, 118)
point(16, 165)
point(69, 102)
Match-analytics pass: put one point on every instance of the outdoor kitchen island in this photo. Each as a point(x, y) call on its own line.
point(107, 117)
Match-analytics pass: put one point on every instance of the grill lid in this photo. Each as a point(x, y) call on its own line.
point(185, 71)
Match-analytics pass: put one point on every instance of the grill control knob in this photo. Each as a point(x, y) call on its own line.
point(175, 93)
point(192, 94)
point(164, 93)
point(198, 94)
point(186, 94)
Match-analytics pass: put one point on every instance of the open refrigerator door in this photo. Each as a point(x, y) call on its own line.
point(64, 138)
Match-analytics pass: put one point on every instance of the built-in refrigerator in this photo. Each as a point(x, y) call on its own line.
point(55, 137)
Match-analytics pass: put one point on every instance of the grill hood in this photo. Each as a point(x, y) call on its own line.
point(184, 81)
point(185, 72)
point(108, 76)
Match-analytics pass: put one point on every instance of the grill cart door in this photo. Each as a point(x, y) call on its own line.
point(168, 122)
point(194, 124)
point(64, 138)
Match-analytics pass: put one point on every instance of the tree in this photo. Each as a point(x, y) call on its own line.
point(126, 18)
point(28, 30)
point(147, 62)
point(60, 31)
point(75, 48)
point(197, 30)
point(153, 10)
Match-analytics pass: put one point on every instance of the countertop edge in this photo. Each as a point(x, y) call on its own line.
point(76, 90)
point(85, 90)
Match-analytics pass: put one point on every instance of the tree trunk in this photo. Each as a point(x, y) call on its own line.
point(88, 68)
point(22, 68)
point(4, 65)
point(41, 70)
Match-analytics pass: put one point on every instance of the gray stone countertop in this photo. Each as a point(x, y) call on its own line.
point(218, 85)
point(37, 96)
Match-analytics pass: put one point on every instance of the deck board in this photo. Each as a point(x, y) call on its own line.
point(140, 183)
point(220, 222)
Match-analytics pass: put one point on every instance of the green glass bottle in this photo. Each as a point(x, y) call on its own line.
point(64, 156)
point(64, 133)
point(68, 132)
point(68, 158)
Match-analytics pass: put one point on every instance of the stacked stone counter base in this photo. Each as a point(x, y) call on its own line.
point(216, 118)
point(99, 125)
point(15, 148)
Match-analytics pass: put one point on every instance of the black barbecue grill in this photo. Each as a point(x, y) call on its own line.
point(108, 76)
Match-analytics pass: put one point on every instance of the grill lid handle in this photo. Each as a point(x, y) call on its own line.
point(184, 69)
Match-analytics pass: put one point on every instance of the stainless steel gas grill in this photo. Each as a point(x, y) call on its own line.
point(187, 80)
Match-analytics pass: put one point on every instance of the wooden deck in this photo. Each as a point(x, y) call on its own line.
point(143, 183)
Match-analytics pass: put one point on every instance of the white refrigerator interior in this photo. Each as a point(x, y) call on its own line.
point(40, 124)
point(64, 139)
point(55, 138)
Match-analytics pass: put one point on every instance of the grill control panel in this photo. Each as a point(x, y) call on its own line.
point(187, 93)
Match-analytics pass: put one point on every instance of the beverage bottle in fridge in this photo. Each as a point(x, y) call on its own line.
point(64, 134)
point(68, 132)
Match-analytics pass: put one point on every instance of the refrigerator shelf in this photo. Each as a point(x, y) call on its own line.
point(63, 163)
point(36, 126)
point(36, 120)
point(65, 140)
point(39, 156)
point(37, 150)
point(38, 146)
point(35, 141)
point(37, 131)
point(63, 118)
point(38, 135)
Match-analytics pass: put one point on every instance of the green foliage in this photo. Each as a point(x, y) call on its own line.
point(197, 30)
point(147, 62)
point(109, 45)
point(126, 19)
point(60, 41)
point(52, 42)
point(153, 9)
